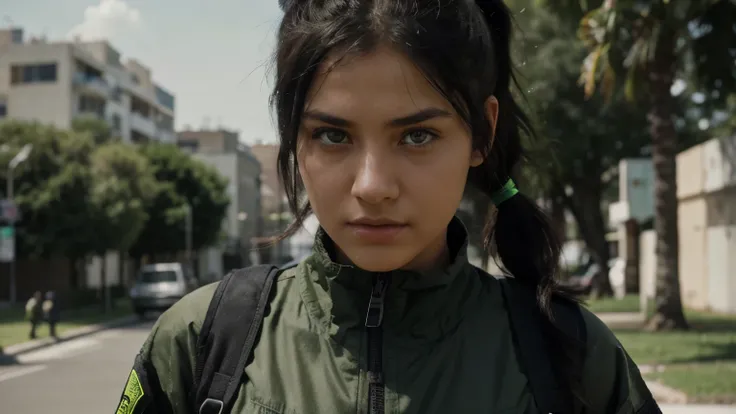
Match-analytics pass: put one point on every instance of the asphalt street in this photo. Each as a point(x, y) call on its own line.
point(86, 376)
point(80, 376)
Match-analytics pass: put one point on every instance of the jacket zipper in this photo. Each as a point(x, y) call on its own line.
point(373, 320)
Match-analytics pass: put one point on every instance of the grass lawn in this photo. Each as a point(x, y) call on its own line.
point(700, 362)
point(629, 303)
point(14, 328)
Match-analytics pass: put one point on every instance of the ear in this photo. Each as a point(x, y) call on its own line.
point(491, 108)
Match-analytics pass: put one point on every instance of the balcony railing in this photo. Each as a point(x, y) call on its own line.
point(92, 84)
point(142, 124)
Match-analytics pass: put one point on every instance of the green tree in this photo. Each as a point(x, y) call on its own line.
point(51, 190)
point(98, 129)
point(182, 181)
point(727, 126)
point(649, 42)
point(122, 190)
point(588, 137)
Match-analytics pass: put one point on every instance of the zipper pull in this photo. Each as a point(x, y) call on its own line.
point(374, 316)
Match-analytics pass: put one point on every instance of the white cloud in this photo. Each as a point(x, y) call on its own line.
point(105, 20)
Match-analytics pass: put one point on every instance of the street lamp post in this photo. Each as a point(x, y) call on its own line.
point(19, 158)
point(188, 235)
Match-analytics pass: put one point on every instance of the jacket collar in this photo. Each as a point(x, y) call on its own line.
point(418, 304)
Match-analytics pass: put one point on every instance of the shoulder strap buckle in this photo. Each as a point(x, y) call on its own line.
point(211, 406)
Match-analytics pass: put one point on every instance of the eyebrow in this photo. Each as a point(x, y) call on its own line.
point(415, 118)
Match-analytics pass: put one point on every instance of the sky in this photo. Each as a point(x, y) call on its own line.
point(214, 58)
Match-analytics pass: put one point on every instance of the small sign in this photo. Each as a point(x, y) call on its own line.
point(8, 211)
point(7, 244)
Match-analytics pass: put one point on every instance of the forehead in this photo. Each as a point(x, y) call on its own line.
point(382, 82)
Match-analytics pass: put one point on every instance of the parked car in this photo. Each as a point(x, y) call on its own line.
point(582, 283)
point(160, 285)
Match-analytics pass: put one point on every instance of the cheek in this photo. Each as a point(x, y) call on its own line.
point(321, 175)
point(439, 186)
point(435, 189)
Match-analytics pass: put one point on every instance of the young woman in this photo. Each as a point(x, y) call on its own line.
point(386, 110)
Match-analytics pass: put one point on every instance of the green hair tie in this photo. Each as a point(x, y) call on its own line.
point(507, 191)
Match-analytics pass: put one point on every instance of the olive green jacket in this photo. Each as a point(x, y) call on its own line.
point(447, 348)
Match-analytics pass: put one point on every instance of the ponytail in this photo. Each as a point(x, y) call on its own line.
point(520, 234)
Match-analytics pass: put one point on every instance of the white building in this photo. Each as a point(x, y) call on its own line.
point(706, 200)
point(56, 82)
point(301, 243)
point(223, 150)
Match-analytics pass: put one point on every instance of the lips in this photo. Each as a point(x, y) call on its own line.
point(376, 222)
point(379, 231)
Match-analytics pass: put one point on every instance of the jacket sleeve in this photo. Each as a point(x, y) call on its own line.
point(143, 392)
point(612, 382)
point(161, 379)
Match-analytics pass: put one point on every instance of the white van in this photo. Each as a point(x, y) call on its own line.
point(160, 285)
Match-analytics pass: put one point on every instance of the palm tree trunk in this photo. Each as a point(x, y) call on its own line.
point(668, 312)
point(631, 271)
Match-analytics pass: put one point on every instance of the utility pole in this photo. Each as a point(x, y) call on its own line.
point(8, 233)
point(188, 235)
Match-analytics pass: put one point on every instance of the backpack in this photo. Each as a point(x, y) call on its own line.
point(233, 322)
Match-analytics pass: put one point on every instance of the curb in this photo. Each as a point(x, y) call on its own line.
point(666, 395)
point(622, 320)
point(697, 408)
point(29, 346)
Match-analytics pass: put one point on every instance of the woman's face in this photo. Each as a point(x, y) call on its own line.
point(384, 159)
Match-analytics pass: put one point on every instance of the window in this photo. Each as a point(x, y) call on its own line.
point(29, 73)
point(17, 36)
point(90, 104)
point(47, 73)
point(20, 74)
point(164, 98)
point(116, 123)
point(140, 107)
point(3, 110)
point(165, 122)
point(188, 145)
point(117, 94)
point(16, 74)
point(157, 277)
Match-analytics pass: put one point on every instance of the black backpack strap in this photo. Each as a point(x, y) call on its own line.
point(531, 344)
point(228, 336)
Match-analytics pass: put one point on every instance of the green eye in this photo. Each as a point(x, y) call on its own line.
point(330, 136)
point(418, 137)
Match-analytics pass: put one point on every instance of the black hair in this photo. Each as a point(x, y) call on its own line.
point(463, 48)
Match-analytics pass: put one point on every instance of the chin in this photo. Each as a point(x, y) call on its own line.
point(379, 259)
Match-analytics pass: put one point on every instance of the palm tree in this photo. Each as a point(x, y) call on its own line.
point(653, 43)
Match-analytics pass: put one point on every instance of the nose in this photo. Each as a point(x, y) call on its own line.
point(375, 181)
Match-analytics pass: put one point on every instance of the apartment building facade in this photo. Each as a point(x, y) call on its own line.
point(243, 224)
point(276, 213)
point(56, 82)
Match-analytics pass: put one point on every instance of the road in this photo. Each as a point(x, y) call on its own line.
point(80, 376)
point(86, 376)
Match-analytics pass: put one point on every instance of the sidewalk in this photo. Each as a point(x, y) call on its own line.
point(622, 320)
point(698, 409)
point(33, 345)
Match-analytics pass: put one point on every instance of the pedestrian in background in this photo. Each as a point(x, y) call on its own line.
point(34, 312)
point(51, 312)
